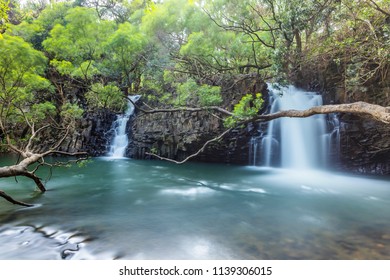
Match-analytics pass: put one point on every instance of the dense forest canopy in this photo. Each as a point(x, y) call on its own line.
point(62, 59)
point(174, 51)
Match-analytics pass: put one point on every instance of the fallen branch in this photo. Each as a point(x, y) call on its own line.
point(14, 201)
point(21, 169)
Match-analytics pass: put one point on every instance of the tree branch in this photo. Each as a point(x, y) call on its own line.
point(220, 136)
point(36, 179)
point(181, 109)
point(378, 8)
point(376, 112)
point(34, 134)
point(10, 199)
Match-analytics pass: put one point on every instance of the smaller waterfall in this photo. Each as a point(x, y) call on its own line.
point(121, 140)
point(254, 150)
point(332, 139)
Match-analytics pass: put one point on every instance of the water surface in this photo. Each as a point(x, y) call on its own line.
point(127, 209)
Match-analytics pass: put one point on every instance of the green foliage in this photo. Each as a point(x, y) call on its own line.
point(124, 49)
point(209, 95)
point(36, 31)
point(41, 111)
point(20, 70)
point(4, 8)
point(78, 42)
point(70, 113)
point(105, 97)
point(170, 51)
point(170, 17)
point(154, 150)
point(248, 107)
point(24, 92)
point(190, 92)
point(63, 67)
point(183, 93)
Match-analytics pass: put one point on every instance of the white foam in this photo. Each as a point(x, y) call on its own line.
point(259, 190)
point(188, 192)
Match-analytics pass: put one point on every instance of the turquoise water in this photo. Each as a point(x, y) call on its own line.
point(127, 209)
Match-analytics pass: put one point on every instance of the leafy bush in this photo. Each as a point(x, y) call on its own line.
point(248, 107)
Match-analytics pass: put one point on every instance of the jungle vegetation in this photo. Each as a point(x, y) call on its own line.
point(62, 59)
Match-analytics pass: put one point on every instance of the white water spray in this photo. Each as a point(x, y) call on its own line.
point(121, 140)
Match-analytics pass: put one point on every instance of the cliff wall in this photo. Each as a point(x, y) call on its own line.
point(177, 135)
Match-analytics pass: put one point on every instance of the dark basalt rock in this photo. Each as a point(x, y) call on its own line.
point(364, 146)
point(93, 135)
point(177, 135)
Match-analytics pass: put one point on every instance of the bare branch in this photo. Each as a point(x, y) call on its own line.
point(220, 136)
point(10, 199)
point(36, 179)
point(378, 8)
point(376, 112)
point(8, 139)
point(182, 109)
point(34, 134)
point(59, 143)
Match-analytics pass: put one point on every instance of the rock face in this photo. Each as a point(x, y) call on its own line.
point(93, 136)
point(364, 146)
point(177, 135)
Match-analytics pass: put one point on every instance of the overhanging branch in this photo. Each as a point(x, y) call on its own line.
point(372, 111)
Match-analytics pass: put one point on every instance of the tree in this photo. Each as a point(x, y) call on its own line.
point(26, 113)
point(126, 57)
point(3, 14)
point(75, 48)
point(36, 29)
point(105, 97)
point(77, 45)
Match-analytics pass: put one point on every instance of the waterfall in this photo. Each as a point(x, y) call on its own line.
point(121, 140)
point(295, 142)
point(254, 150)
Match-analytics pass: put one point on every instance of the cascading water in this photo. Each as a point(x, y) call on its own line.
point(295, 142)
point(121, 140)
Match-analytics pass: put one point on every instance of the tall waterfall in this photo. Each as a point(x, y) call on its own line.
point(121, 140)
point(301, 143)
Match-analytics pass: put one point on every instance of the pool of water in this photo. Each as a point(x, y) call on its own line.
point(127, 209)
